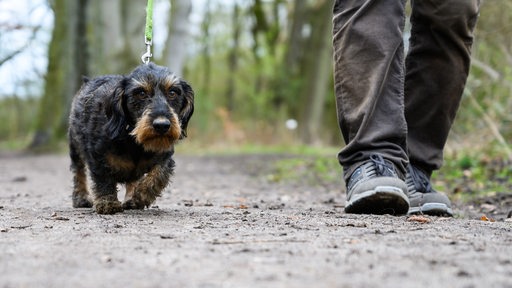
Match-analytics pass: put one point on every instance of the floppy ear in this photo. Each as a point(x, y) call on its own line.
point(114, 111)
point(187, 109)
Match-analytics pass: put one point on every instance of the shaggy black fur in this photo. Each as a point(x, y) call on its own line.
point(122, 129)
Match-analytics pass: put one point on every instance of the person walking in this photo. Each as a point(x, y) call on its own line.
point(395, 110)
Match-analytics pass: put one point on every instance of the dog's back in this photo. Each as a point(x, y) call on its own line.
point(91, 96)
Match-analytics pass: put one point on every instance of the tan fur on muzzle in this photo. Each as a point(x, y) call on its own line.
point(151, 140)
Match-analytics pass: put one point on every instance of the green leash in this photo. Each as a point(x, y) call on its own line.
point(148, 33)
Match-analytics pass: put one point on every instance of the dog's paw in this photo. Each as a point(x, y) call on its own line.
point(140, 199)
point(107, 206)
point(79, 202)
point(132, 204)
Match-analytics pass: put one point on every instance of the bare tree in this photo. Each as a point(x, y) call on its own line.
point(12, 54)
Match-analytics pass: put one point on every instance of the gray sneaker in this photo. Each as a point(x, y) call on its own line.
point(423, 198)
point(374, 188)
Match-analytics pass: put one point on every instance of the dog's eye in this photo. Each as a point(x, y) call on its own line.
point(174, 91)
point(141, 93)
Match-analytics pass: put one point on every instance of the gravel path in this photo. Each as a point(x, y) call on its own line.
point(221, 223)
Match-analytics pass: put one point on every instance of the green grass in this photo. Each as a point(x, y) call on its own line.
point(466, 175)
point(473, 174)
point(13, 145)
point(311, 165)
point(21, 145)
point(194, 148)
point(309, 169)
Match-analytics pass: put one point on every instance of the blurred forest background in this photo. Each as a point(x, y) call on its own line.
point(254, 64)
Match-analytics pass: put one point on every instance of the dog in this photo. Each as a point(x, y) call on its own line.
point(122, 129)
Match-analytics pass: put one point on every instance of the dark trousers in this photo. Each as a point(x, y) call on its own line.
point(400, 106)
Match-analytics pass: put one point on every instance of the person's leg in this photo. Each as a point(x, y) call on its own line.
point(437, 66)
point(369, 83)
point(369, 80)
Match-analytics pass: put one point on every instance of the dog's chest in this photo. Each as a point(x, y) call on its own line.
point(127, 168)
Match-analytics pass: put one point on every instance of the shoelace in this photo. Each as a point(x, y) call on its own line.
point(383, 167)
point(420, 180)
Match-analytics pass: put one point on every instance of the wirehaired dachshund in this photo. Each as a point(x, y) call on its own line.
point(122, 129)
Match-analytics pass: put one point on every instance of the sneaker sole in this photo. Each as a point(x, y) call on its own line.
point(379, 201)
point(433, 209)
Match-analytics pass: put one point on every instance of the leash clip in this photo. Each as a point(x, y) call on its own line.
point(146, 57)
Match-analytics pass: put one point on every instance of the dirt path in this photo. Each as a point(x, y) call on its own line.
point(225, 225)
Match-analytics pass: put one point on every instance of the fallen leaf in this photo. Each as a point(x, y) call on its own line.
point(485, 218)
point(241, 206)
point(419, 218)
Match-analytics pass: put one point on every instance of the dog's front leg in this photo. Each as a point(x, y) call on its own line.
point(105, 192)
point(129, 201)
point(143, 193)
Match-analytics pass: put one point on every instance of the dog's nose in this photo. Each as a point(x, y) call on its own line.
point(161, 125)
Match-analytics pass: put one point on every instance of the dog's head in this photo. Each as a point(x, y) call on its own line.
point(154, 104)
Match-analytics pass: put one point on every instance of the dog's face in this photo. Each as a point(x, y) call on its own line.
point(155, 104)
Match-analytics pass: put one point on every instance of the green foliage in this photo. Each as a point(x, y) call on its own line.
point(16, 120)
point(470, 174)
point(484, 115)
point(465, 162)
point(267, 91)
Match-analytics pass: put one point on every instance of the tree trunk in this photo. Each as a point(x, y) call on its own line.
point(205, 29)
point(294, 46)
point(105, 36)
point(65, 66)
point(289, 68)
point(233, 59)
point(318, 70)
point(78, 64)
point(116, 35)
point(177, 43)
point(259, 25)
point(134, 23)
